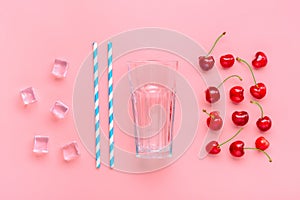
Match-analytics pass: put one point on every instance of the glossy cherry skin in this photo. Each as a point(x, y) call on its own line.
point(227, 61)
point(264, 123)
point(262, 143)
point(237, 148)
point(214, 121)
point(206, 62)
point(236, 94)
point(260, 60)
point(212, 94)
point(213, 147)
point(258, 91)
point(240, 118)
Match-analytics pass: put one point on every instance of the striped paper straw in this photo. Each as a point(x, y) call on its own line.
point(110, 106)
point(96, 102)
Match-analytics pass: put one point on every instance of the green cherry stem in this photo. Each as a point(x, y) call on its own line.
point(231, 137)
point(268, 156)
point(250, 68)
point(217, 40)
point(208, 114)
point(229, 77)
point(260, 107)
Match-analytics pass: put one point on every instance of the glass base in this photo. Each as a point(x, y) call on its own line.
point(155, 154)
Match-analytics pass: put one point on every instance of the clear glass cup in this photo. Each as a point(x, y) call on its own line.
point(153, 88)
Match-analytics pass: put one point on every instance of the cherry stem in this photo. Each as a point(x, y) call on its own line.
point(208, 113)
point(217, 40)
point(250, 68)
point(231, 137)
point(229, 77)
point(268, 156)
point(260, 107)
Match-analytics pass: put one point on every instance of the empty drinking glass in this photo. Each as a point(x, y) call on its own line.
point(153, 87)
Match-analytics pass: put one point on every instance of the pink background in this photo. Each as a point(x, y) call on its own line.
point(33, 33)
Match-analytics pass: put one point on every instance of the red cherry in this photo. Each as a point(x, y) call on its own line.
point(264, 123)
point(214, 121)
point(258, 90)
point(240, 118)
point(212, 94)
point(237, 148)
point(260, 60)
point(213, 147)
point(236, 94)
point(207, 62)
point(227, 61)
point(262, 143)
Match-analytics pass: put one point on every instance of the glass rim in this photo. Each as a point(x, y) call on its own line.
point(167, 63)
point(155, 61)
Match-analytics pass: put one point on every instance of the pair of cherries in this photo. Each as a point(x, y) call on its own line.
point(259, 61)
point(239, 118)
point(237, 148)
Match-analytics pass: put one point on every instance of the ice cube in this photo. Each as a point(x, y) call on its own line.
point(60, 68)
point(70, 151)
point(59, 109)
point(28, 95)
point(40, 145)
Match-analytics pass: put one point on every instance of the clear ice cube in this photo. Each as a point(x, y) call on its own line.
point(70, 151)
point(28, 95)
point(40, 145)
point(59, 109)
point(60, 68)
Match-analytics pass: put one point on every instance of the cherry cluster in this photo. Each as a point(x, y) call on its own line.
point(236, 94)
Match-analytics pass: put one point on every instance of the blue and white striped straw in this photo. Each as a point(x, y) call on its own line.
point(96, 103)
point(110, 106)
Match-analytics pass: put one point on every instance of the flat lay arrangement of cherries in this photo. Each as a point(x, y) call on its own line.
point(236, 94)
